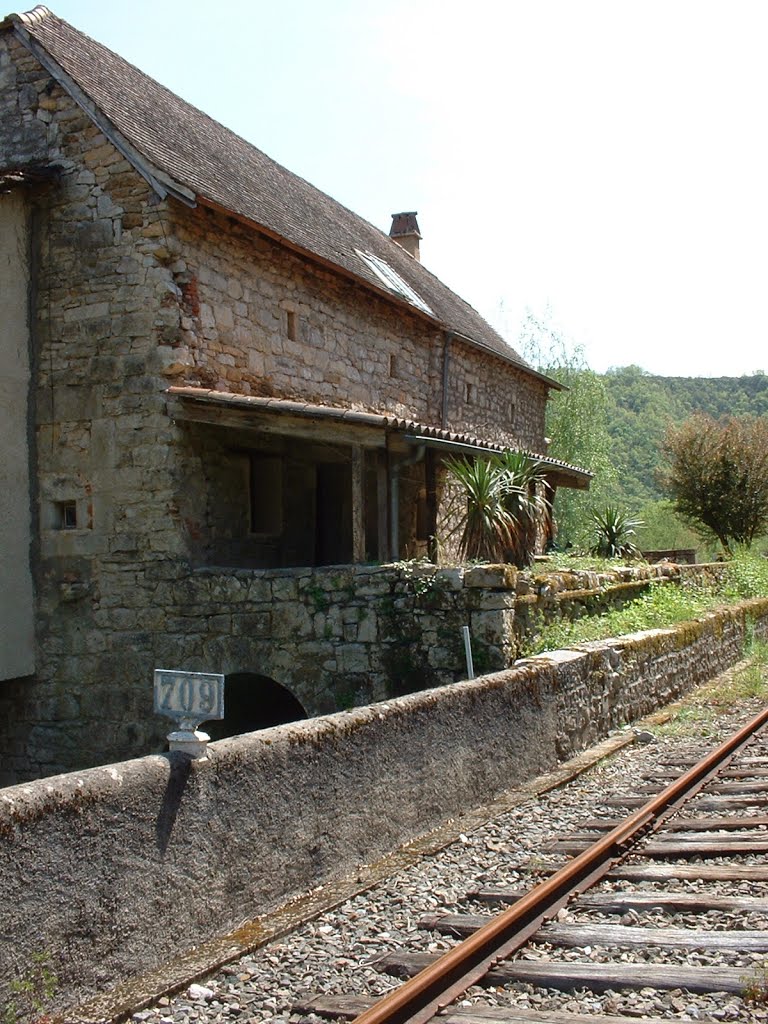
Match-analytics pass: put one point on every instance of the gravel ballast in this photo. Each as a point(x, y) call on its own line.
point(336, 953)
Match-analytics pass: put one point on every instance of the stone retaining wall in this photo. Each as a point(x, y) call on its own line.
point(334, 637)
point(114, 870)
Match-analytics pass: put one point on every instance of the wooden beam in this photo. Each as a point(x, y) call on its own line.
point(264, 422)
point(382, 508)
point(430, 473)
point(358, 505)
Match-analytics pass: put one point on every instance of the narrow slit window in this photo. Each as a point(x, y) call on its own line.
point(392, 364)
point(470, 393)
point(291, 326)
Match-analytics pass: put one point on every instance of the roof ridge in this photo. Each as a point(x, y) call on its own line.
point(33, 17)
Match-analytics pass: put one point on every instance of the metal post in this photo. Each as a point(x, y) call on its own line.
point(468, 652)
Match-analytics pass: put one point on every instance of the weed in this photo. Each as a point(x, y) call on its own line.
point(30, 993)
point(318, 597)
point(661, 606)
point(691, 720)
point(756, 986)
point(746, 575)
point(696, 716)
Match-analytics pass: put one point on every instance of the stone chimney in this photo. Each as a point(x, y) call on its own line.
point(405, 231)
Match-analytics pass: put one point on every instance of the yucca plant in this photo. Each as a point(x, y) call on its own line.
point(485, 523)
point(500, 507)
point(613, 527)
point(526, 502)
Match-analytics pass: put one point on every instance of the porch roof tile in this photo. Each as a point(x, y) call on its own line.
point(418, 432)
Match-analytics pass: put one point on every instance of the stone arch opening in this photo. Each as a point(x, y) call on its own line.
point(253, 702)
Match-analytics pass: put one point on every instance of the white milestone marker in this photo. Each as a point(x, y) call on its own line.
point(189, 698)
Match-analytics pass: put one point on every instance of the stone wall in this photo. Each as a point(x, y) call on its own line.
point(255, 318)
point(111, 871)
point(333, 637)
point(100, 436)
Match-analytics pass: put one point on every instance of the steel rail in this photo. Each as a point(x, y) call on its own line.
point(436, 986)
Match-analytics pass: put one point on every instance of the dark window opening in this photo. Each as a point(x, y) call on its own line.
point(291, 325)
point(266, 492)
point(392, 364)
point(253, 702)
point(333, 525)
point(470, 393)
point(66, 515)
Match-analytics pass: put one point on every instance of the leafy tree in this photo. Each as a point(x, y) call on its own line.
point(641, 407)
point(577, 423)
point(718, 476)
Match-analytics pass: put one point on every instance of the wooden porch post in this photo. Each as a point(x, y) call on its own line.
point(382, 507)
point(430, 474)
point(358, 505)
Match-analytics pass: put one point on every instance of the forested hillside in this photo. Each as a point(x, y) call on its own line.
point(641, 406)
point(615, 424)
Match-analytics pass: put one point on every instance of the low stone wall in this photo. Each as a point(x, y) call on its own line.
point(113, 870)
point(345, 636)
point(334, 637)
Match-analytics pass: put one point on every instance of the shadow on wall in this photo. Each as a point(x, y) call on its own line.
point(254, 702)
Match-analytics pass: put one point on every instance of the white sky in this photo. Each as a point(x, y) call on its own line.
point(606, 159)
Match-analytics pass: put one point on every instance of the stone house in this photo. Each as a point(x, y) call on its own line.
point(210, 371)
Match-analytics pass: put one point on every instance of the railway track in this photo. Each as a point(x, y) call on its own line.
point(671, 898)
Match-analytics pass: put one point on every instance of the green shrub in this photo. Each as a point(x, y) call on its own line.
point(746, 575)
point(612, 529)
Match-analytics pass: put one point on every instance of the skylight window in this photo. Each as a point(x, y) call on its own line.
point(392, 280)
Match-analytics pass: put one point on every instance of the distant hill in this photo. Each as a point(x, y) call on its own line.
point(641, 407)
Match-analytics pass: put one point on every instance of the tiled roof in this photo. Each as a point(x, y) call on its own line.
point(219, 168)
point(418, 431)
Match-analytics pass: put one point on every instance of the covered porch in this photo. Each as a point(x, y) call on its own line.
point(286, 483)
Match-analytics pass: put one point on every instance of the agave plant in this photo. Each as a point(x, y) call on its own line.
point(485, 524)
point(613, 527)
point(502, 506)
point(526, 502)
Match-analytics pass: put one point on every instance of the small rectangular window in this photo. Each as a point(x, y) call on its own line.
point(291, 326)
point(266, 494)
point(470, 393)
point(512, 413)
point(392, 364)
point(66, 515)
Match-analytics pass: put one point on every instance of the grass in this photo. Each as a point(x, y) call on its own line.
point(563, 561)
point(663, 605)
point(698, 712)
point(756, 986)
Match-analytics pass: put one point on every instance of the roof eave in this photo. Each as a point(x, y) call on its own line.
point(410, 432)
